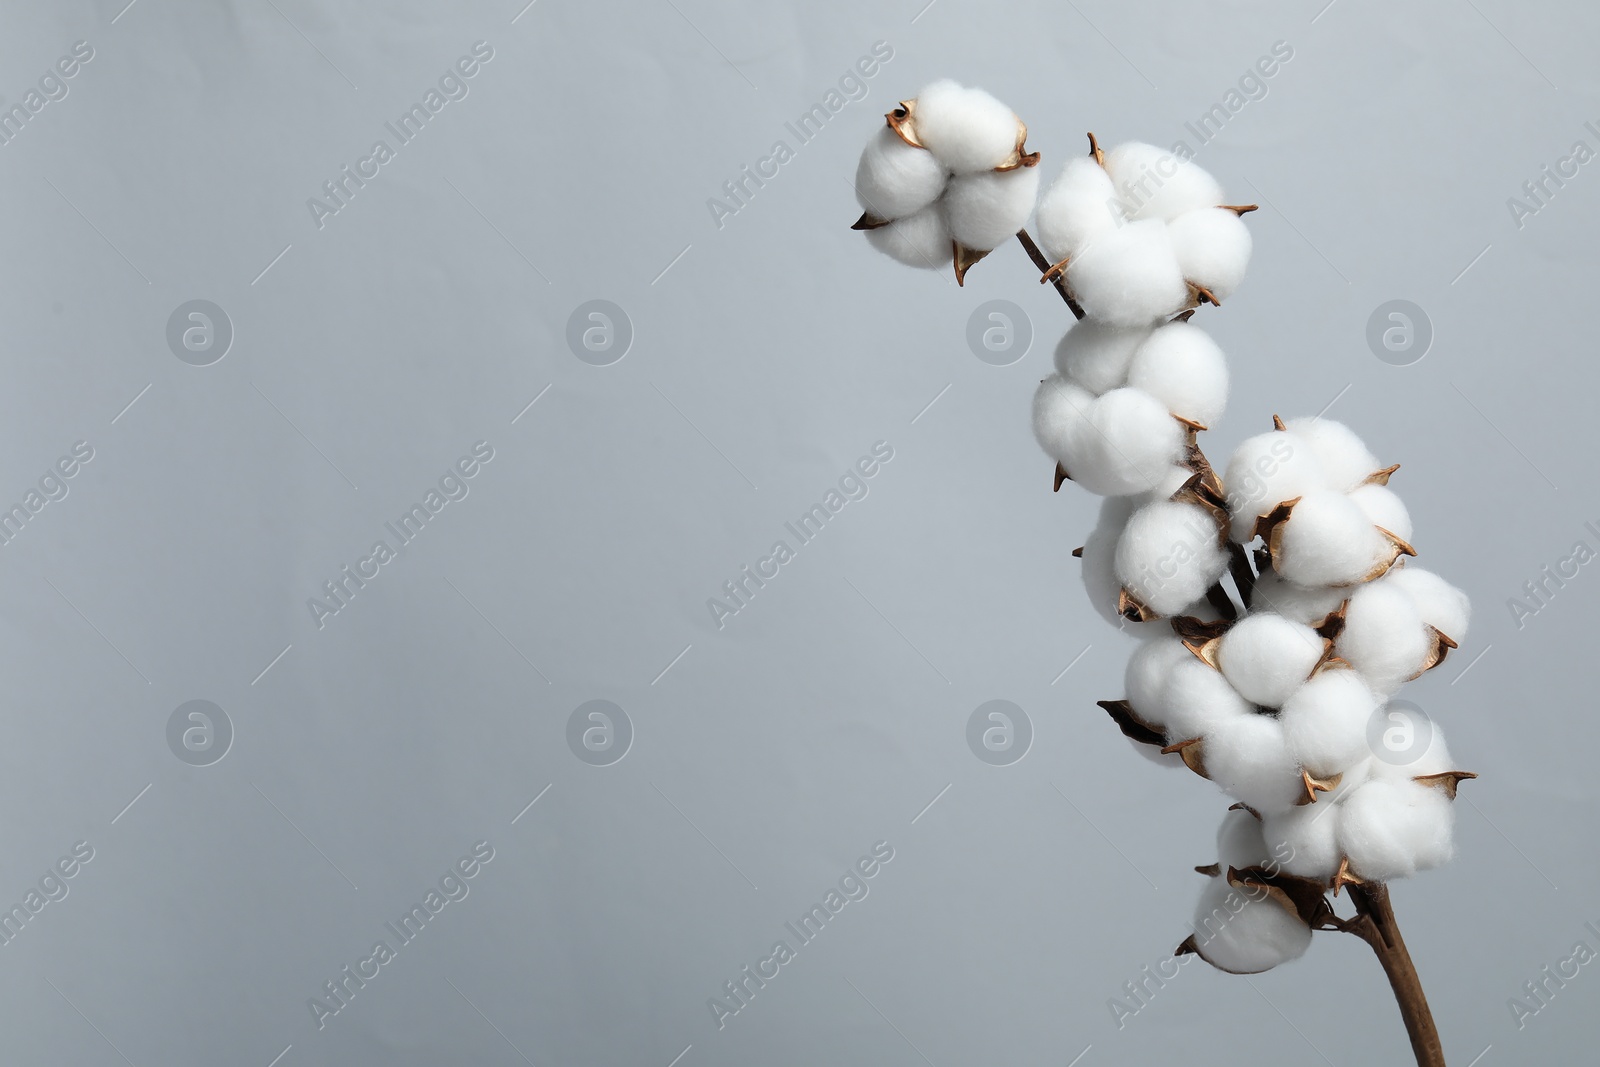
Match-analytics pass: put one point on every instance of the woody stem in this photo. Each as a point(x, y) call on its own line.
point(1044, 265)
point(1375, 924)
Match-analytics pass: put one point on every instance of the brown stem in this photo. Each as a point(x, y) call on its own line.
point(1375, 924)
point(1044, 265)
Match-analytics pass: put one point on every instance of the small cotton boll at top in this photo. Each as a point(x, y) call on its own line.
point(1129, 276)
point(1249, 757)
point(1239, 841)
point(1135, 443)
point(1308, 605)
point(1169, 556)
point(1152, 183)
point(1328, 540)
point(1441, 605)
point(1263, 472)
point(986, 210)
point(1305, 838)
point(1096, 355)
point(966, 129)
point(1384, 637)
point(1181, 366)
point(1196, 701)
point(1079, 206)
point(1243, 931)
point(1326, 720)
point(1345, 460)
point(1213, 248)
point(1383, 507)
point(1392, 829)
point(921, 239)
point(895, 179)
point(1266, 657)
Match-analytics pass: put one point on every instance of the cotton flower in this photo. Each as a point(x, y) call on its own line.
point(918, 240)
point(1327, 539)
point(1182, 367)
point(1266, 657)
point(1307, 837)
point(1169, 555)
point(895, 179)
point(1239, 840)
point(1152, 183)
point(1099, 557)
point(1440, 604)
point(1213, 249)
point(1129, 276)
point(1383, 508)
point(1392, 829)
point(1345, 460)
point(1197, 701)
point(966, 129)
point(988, 208)
point(1243, 930)
point(1266, 470)
point(1096, 355)
point(1249, 757)
point(1325, 722)
point(1078, 207)
point(1118, 444)
point(1308, 605)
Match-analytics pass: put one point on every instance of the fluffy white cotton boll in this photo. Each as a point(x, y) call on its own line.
point(1415, 753)
point(1152, 183)
point(1383, 636)
point(1305, 840)
point(1169, 555)
point(1301, 603)
point(1266, 657)
point(1249, 757)
point(921, 239)
point(1326, 720)
point(1328, 540)
point(1263, 472)
point(1383, 507)
point(1197, 701)
point(1394, 828)
point(967, 129)
point(1136, 441)
point(1096, 355)
point(1213, 249)
point(895, 179)
point(1176, 478)
point(1099, 555)
point(1242, 931)
point(1129, 276)
point(1079, 206)
point(1061, 412)
point(1239, 841)
point(1347, 461)
point(1441, 605)
point(987, 209)
point(1146, 675)
point(1183, 368)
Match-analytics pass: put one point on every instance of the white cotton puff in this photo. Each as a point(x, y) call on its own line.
point(1309, 605)
point(1096, 354)
point(1242, 931)
point(895, 179)
point(987, 209)
point(1061, 417)
point(1197, 700)
point(921, 239)
point(1181, 366)
point(1239, 841)
point(1152, 183)
point(1434, 759)
point(1266, 657)
point(1263, 472)
point(1392, 829)
point(1328, 540)
point(1249, 758)
point(1441, 605)
point(1383, 637)
point(1169, 555)
point(1131, 445)
point(1326, 721)
point(1129, 276)
point(1213, 249)
point(1305, 840)
point(1347, 461)
point(967, 129)
point(1383, 507)
point(1079, 206)
point(1145, 677)
point(1099, 555)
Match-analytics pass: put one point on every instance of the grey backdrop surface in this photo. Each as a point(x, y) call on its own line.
point(371, 352)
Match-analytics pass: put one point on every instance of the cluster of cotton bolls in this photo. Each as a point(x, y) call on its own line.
point(1141, 234)
point(947, 179)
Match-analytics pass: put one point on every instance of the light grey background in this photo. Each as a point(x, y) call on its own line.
point(769, 354)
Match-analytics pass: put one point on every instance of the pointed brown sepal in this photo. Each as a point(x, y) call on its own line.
point(1130, 608)
point(1300, 897)
point(1094, 150)
point(1398, 547)
point(1240, 805)
point(1132, 726)
point(1332, 624)
point(1020, 156)
point(1190, 628)
point(1277, 424)
point(1055, 270)
point(1201, 489)
point(1330, 662)
point(902, 120)
point(1441, 646)
point(1210, 870)
point(868, 221)
point(1317, 785)
point(1201, 295)
point(1188, 947)
point(1240, 209)
point(1205, 651)
point(1061, 476)
point(1402, 546)
point(1381, 477)
point(1268, 523)
point(1077, 553)
point(1448, 781)
point(1342, 877)
point(1190, 423)
point(965, 259)
point(1183, 316)
point(1193, 758)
